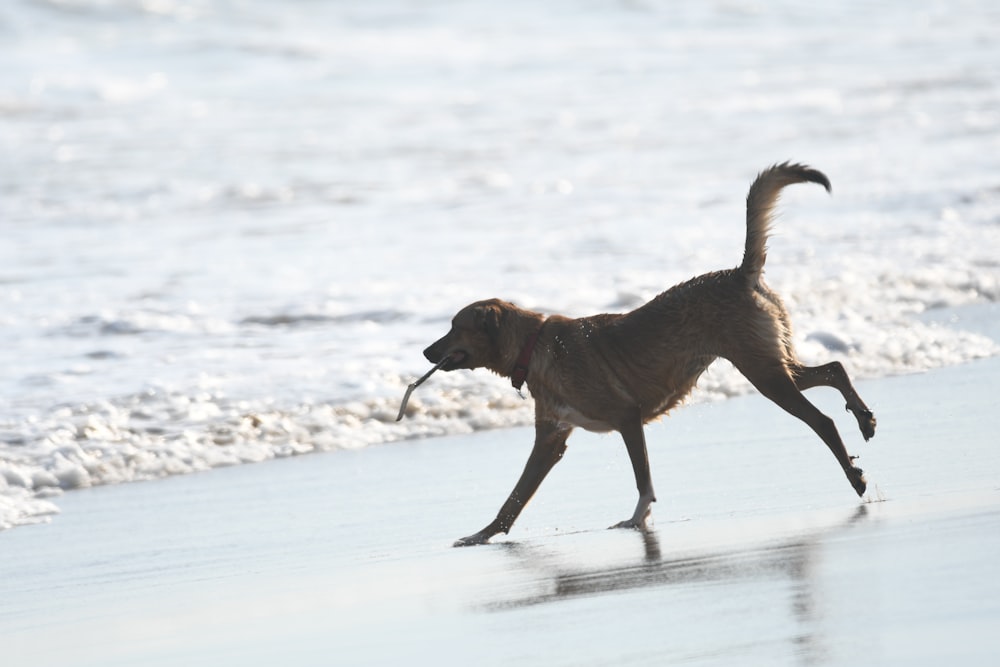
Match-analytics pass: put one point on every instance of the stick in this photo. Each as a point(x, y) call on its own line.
point(414, 385)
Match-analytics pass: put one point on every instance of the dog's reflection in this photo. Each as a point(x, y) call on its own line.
point(790, 560)
point(785, 559)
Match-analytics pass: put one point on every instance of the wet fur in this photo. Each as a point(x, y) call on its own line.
point(619, 371)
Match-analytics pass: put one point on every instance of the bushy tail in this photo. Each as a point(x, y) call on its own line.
point(761, 200)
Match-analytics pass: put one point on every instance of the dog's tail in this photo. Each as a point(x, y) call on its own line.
point(761, 200)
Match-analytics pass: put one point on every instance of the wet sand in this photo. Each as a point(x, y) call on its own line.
point(760, 553)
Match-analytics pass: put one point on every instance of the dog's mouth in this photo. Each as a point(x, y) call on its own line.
point(455, 360)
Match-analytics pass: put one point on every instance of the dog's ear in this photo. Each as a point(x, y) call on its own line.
point(488, 320)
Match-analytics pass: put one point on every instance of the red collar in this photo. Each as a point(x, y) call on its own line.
point(520, 373)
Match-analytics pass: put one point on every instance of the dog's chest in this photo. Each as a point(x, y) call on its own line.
point(569, 416)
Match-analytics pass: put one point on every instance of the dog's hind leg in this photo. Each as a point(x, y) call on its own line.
point(775, 383)
point(550, 444)
point(635, 443)
point(834, 375)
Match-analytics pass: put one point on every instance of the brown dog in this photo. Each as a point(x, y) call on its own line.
point(617, 372)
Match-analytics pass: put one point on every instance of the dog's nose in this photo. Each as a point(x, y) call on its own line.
point(437, 350)
point(432, 355)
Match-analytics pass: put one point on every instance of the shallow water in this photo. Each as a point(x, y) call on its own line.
point(231, 226)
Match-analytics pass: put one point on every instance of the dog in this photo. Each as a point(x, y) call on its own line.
point(616, 372)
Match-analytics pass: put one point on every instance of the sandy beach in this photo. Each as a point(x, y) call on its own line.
point(760, 553)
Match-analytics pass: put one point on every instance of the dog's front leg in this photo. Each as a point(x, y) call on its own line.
point(550, 444)
point(635, 443)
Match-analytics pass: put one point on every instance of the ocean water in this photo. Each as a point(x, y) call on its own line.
point(230, 227)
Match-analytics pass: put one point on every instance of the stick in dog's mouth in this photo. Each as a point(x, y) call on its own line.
point(414, 385)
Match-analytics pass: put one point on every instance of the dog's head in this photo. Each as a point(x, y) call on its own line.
point(474, 340)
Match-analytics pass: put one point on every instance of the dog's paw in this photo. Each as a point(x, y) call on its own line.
point(633, 523)
point(629, 523)
point(866, 422)
point(482, 537)
point(858, 481)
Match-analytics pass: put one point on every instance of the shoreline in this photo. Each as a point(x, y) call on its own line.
point(32, 494)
